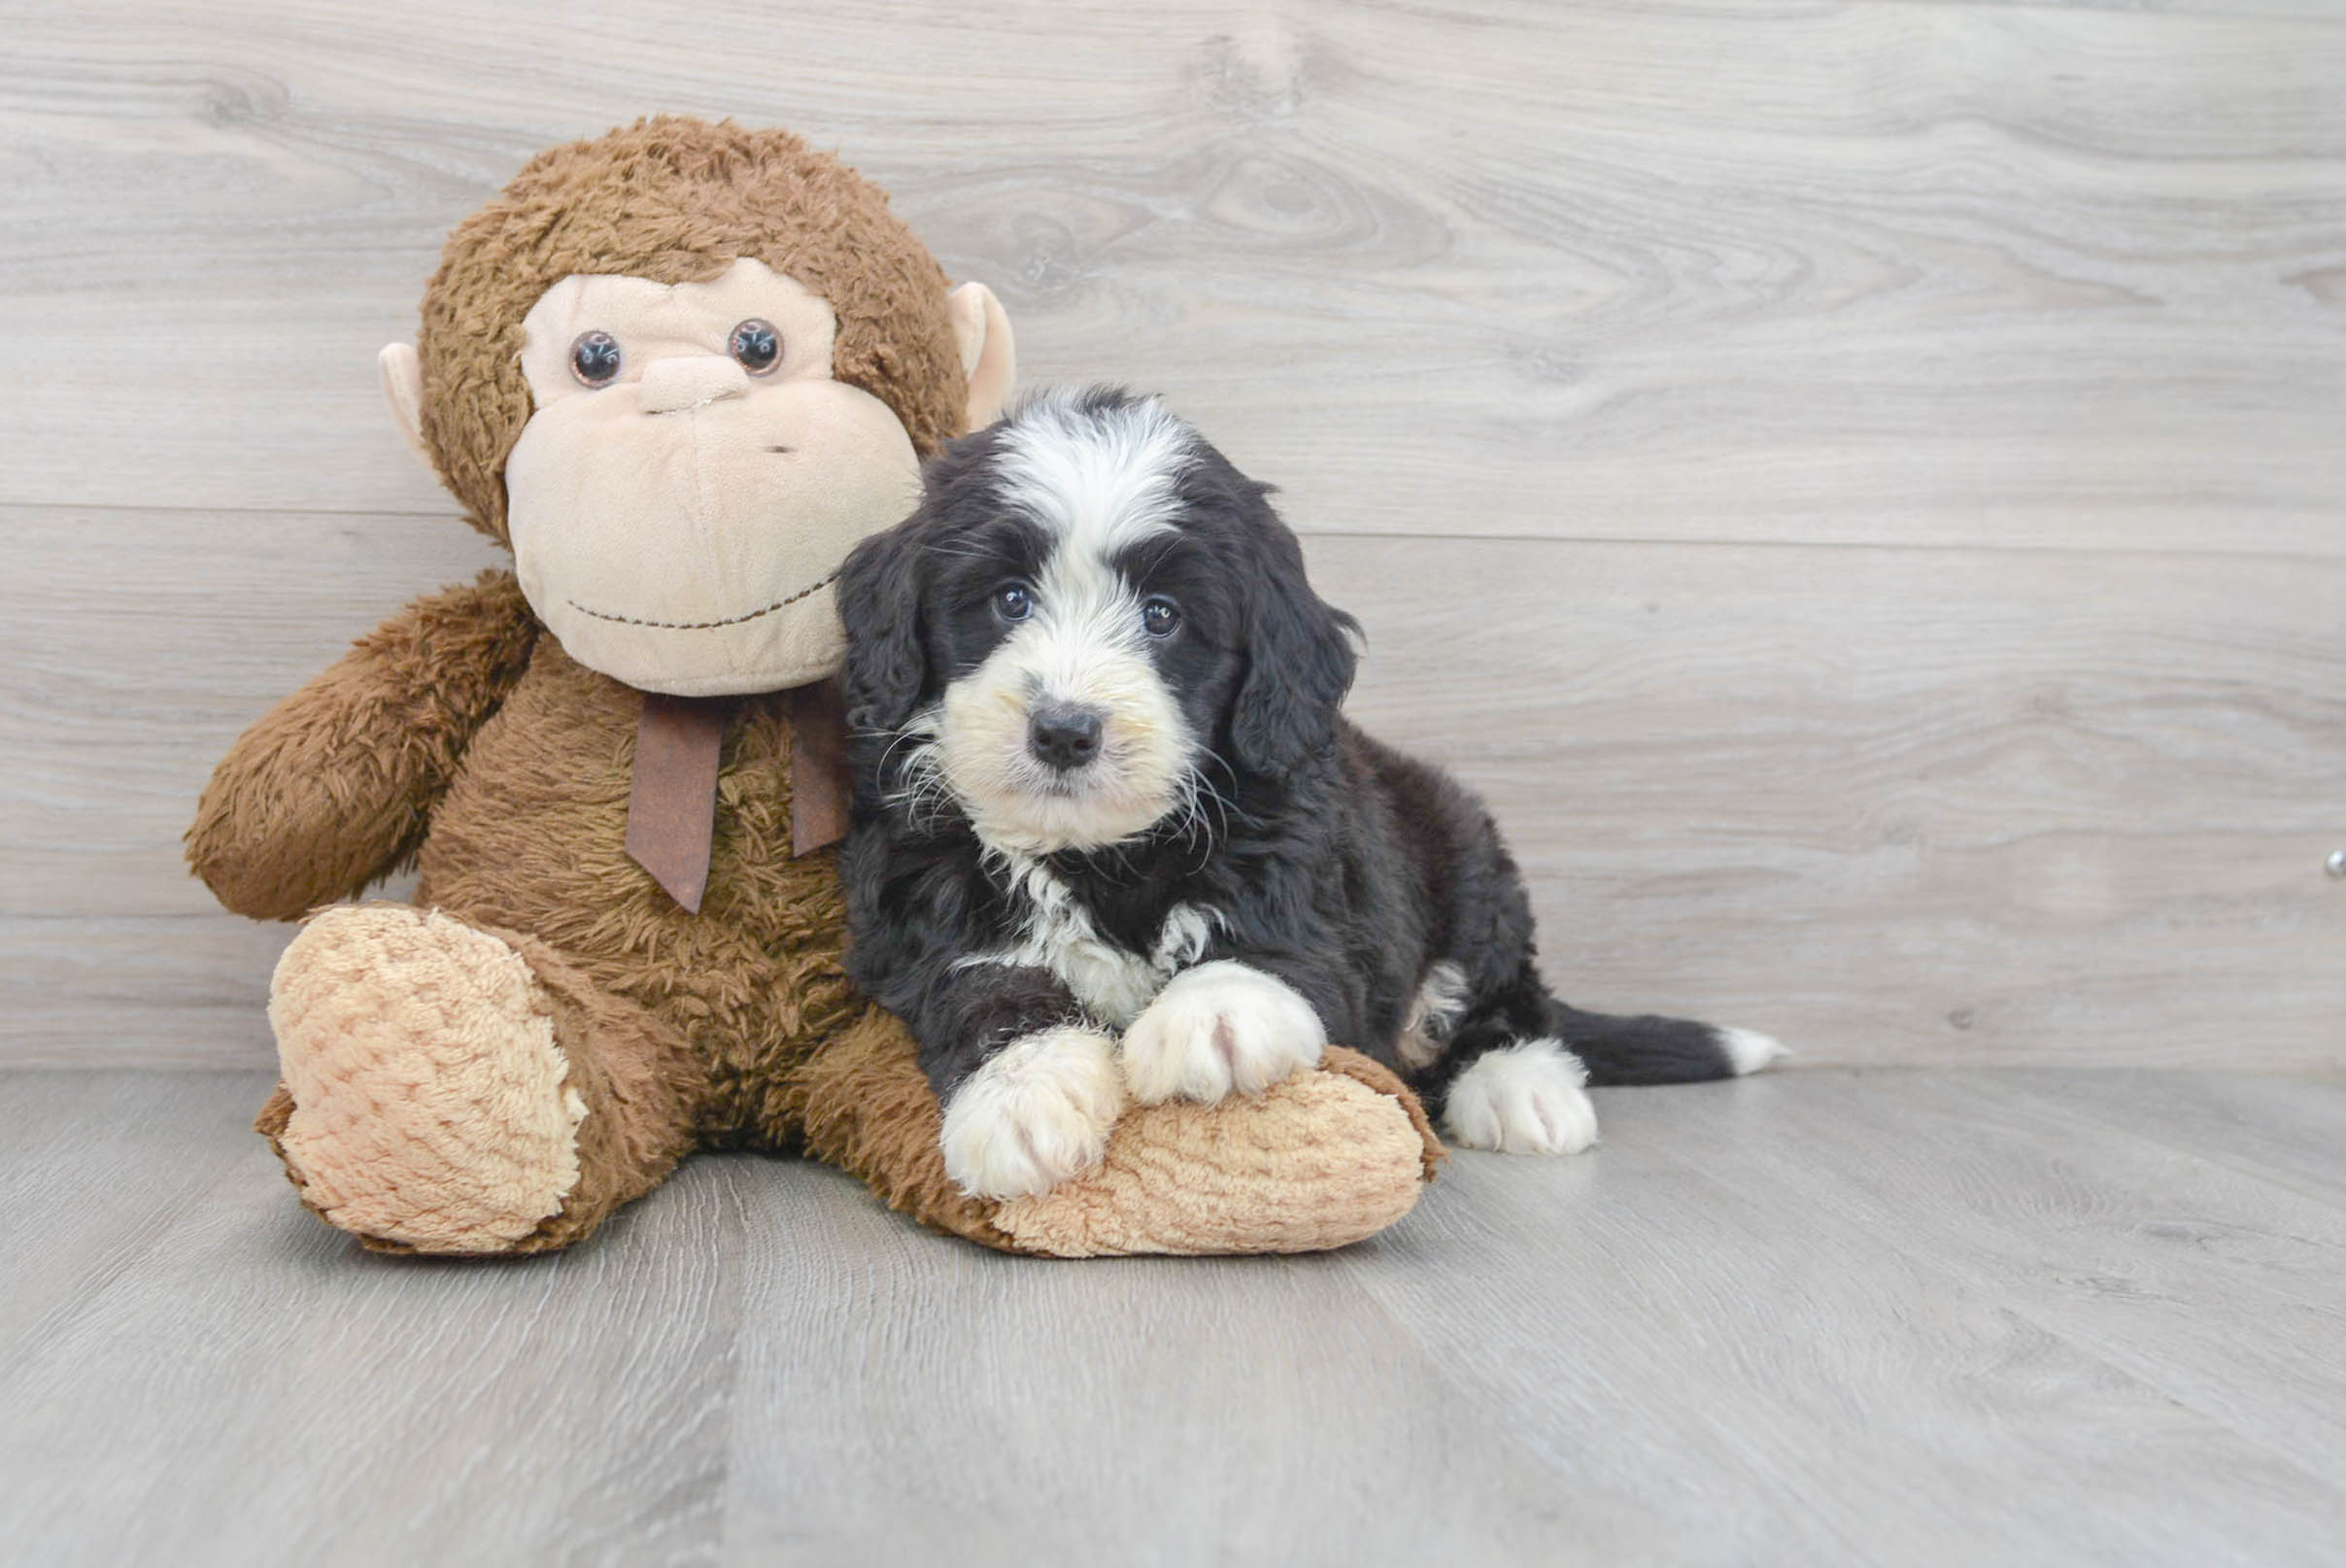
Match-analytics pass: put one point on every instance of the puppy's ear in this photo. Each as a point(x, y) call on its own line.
point(887, 670)
point(1299, 660)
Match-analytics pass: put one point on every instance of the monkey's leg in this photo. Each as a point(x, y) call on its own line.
point(452, 1089)
point(1323, 1158)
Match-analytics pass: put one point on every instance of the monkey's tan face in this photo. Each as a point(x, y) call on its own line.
point(693, 477)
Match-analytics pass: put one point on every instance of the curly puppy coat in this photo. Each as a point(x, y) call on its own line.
point(1114, 840)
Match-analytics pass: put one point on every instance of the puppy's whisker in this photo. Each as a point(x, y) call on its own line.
point(1200, 791)
point(920, 789)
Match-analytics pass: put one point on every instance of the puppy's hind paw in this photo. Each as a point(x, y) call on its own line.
point(1038, 1112)
point(1526, 1099)
point(1219, 1027)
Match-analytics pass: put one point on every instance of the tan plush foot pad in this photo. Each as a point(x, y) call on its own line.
point(430, 1106)
point(1317, 1161)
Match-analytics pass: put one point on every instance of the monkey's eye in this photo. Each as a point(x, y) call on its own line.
point(1161, 617)
point(757, 345)
point(594, 357)
point(1012, 602)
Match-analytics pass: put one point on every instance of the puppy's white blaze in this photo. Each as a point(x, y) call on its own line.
point(1037, 1112)
point(1098, 481)
point(1525, 1098)
point(1748, 1050)
point(1433, 1013)
point(1217, 1028)
point(1083, 645)
point(1102, 479)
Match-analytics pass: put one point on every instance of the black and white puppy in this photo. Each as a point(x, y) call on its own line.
point(1115, 841)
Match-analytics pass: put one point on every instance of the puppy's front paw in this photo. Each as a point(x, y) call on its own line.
point(1219, 1027)
point(1527, 1099)
point(1037, 1112)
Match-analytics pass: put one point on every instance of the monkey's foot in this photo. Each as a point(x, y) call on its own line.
point(1317, 1160)
point(431, 1104)
point(1325, 1156)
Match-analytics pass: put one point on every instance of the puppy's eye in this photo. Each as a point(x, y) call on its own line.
point(594, 357)
point(1161, 617)
point(757, 345)
point(1012, 602)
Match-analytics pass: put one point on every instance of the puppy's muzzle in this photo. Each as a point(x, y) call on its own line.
point(1063, 736)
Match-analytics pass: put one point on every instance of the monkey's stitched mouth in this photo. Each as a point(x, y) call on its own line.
point(705, 626)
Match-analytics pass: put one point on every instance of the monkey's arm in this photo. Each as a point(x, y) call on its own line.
point(332, 788)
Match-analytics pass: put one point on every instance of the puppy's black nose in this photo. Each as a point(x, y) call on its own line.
point(1063, 736)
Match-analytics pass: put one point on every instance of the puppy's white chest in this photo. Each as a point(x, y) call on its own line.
point(1113, 982)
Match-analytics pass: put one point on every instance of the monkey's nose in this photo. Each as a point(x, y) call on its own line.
point(684, 381)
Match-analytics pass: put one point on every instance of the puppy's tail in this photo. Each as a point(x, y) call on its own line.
point(1659, 1050)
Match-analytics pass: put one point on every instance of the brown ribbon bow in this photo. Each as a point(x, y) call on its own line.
point(672, 798)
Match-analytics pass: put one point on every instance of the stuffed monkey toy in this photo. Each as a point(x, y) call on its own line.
point(679, 371)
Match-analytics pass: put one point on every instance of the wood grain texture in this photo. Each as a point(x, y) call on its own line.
point(230, 1382)
point(1260, 1411)
point(1959, 383)
point(1709, 1305)
point(2281, 1129)
point(2103, 1238)
point(1870, 271)
point(1818, 1317)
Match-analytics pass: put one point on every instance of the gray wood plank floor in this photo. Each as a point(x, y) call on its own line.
point(2010, 1316)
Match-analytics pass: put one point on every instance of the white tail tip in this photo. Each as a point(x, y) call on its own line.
point(1748, 1050)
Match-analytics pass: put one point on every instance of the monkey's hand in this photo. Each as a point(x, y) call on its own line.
point(333, 787)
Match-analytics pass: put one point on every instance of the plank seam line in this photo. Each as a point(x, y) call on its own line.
point(1913, 547)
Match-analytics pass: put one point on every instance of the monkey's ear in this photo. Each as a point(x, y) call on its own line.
point(403, 388)
point(988, 358)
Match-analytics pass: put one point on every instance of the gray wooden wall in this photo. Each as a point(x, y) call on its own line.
point(1861, 487)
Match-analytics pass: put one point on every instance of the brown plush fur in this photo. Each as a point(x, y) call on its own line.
point(460, 738)
point(532, 836)
point(334, 787)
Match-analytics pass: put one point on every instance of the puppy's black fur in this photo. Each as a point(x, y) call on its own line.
point(1337, 863)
